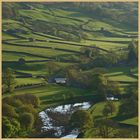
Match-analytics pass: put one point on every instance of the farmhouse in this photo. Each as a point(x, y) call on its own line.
point(60, 80)
point(111, 98)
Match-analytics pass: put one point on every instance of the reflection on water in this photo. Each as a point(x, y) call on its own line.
point(57, 119)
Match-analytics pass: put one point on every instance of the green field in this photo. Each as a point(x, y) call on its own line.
point(52, 94)
point(97, 109)
point(131, 121)
point(26, 81)
point(93, 45)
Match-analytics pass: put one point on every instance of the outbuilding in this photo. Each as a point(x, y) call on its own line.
point(60, 80)
point(111, 98)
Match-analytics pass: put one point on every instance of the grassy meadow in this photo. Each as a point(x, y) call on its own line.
point(76, 41)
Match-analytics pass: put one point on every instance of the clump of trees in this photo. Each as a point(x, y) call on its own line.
point(97, 59)
point(109, 108)
point(28, 99)
point(81, 120)
point(19, 115)
point(90, 52)
point(105, 128)
point(77, 79)
point(95, 81)
point(108, 128)
point(128, 104)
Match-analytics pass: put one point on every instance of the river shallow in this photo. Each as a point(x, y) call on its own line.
point(56, 119)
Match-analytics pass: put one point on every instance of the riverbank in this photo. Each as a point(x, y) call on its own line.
point(57, 119)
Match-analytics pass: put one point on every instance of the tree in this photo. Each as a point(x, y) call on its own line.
point(111, 107)
point(29, 99)
point(113, 88)
point(102, 29)
point(6, 127)
point(52, 68)
point(31, 39)
point(132, 54)
point(86, 51)
point(28, 109)
point(126, 133)
point(12, 102)
point(81, 120)
point(21, 61)
point(78, 79)
point(95, 51)
point(16, 127)
point(9, 80)
point(8, 110)
point(15, 103)
point(129, 106)
point(10, 127)
point(27, 121)
point(99, 83)
point(105, 127)
point(106, 111)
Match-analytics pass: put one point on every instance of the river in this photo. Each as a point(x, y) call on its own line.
point(56, 119)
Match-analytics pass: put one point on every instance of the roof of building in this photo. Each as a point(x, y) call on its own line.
point(109, 95)
point(60, 79)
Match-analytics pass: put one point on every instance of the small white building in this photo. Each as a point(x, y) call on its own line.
point(60, 80)
point(111, 98)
